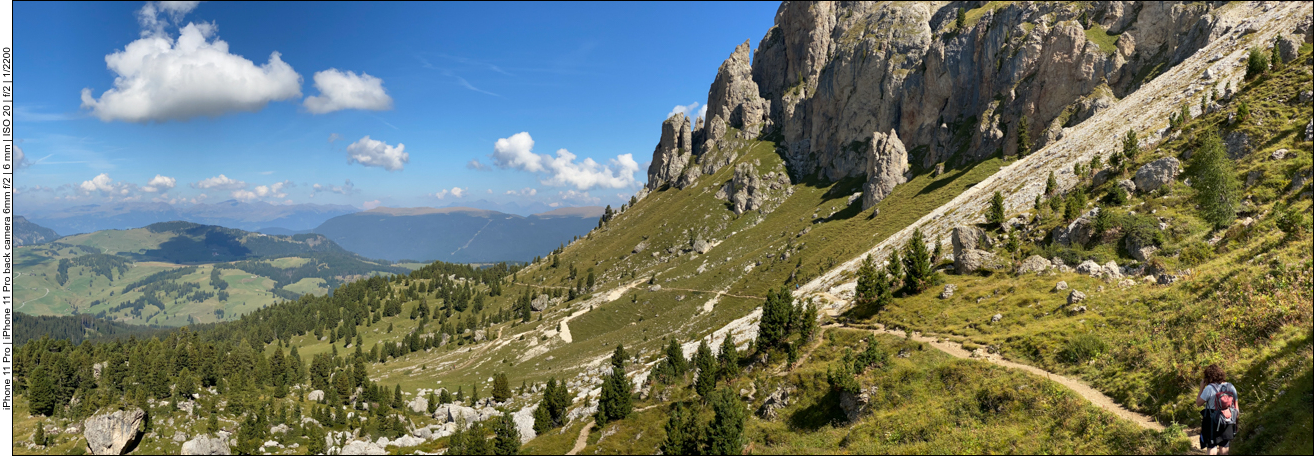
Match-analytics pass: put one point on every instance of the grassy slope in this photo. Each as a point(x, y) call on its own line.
point(1248, 306)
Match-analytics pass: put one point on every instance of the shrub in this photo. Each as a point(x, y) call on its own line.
point(1141, 230)
point(1081, 348)
point(1257, 64)
point(1242, 112)
point(1117, 196)
point(1292, 222)
point(1195, 253)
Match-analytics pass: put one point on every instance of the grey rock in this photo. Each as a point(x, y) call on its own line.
point(479, 335)
point(1298, 182)
point(949, 290)
point(701, 246)
point(1111, 270)
point(1061, 286)
point(734, 97)
point(179, 437)
point(1076, 297)
point(1033, 264)
point(996, 318)
point(362, 447)
point(673, 152)
point(939, 170)
point(655, 288)
point(1127, 185)
point(1309, 131)
point(1238, 144)
point(778, 399)
point(1090, 268)
point(404, 441)
point(452, 413)
point(280, 429)
point(973, 260)
point(1279, 154)
point(540, 302)
point(887, 166)
point(855, 405)
point(316, 395)
point(853, 197)
point(641, 246)
point(1288, 48)
point(420, 404)
point(1143, 254)
point(1166, 279)
point(968, 238)
point(1077, 309)
point(1157, 173)
point(110, 433)
point(1079, 232)
point(524, 419)
point(206, 445)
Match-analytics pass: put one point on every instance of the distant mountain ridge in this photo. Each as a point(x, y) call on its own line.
point(457, 234)
point(231, 214)
point(28, 233)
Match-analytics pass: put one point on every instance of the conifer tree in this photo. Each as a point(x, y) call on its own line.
point(865, 292)
point(41, 395)
point(728, 358)
point(995, 215)
point(618, 357)
point(507, 435)
point(1023, 138)
point(1051, 184)
point(683, 435)
point(501, 388)
point(917, 262)
point(725, 434)
point(894, 273)
point(39, 435)
point(616, 402)
point(774, 325)
point(706, 365)
point(1214, 179)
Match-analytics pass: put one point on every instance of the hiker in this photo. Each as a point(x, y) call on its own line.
point(1218, 420)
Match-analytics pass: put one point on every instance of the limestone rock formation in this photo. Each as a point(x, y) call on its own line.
point(1078, 232)
point(748, 191)
point(1034, 264)
point(968, 238)
point(110, 433)
point(524, 419)
point(1157, 173)
point(540, 302)
point(206, 445)
point(673, 152)
point(734, 101)
point(887, 164)
point(419, 405)
point(363, 447)
point(972, 260)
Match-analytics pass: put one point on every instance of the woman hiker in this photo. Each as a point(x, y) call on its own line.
point(1219, 417)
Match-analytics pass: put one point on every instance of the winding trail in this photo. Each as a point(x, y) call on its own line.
point(17, 274)
point(583, 439)
point(1081, 388)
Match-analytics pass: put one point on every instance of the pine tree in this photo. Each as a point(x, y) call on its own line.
point(960, 21)
point(807, 322)
point(397, 400)
point(728, 358)
point(1215, 182)
point(1257, 63)
point(866, 291)
point(1051, 184)
point(725, 434)
point(542, 418)
point(507, 435)
point(894, 271)
point(501, 388)
point(616, 402)
point(917, 262)
point(1023, 138)
point(42, 396)
point(557, 398)
point(476, 440)
point(39, 435)
point(683, 434)
point(774, 325)
point(995, 215)
point(618, 357)
point(706, 365)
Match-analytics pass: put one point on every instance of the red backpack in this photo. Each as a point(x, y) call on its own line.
point(1224, 414)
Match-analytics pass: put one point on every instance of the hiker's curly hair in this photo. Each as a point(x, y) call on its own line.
point(1214, 374)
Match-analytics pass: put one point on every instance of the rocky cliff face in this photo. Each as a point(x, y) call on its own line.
point(827, 75)
point(673, 152)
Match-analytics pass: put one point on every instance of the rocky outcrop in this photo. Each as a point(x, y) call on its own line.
point(773, 403)
point(1079, 232)
point(855, 405)
point(206, 445)
point(419, 405)
point(749, 192)
point(111, 433)
point(973, 260)
point(541, 302)
point(887, 166)
point(1156, 174)
point(673, 152)
point(1034, 264)
point(968, 238)
point(524, 419)
point(734, 101)
point(358, 447)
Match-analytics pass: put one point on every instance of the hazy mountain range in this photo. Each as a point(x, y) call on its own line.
point(231, 214)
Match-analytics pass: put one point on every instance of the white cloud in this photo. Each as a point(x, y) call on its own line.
point(523, 192)
point(688, 111)
point(244, 196)
point(160, 184)
point(346, 188)
point(220, 182)
point(370, 152)
point(159, 78)
point(345, 90)
point(372, 204)
point(275, 191)
point(455, 192)
point(335, 137)
point(101, 183)
point(20, 160)
point(516, 152)
point(578, 197)
point(476, 165)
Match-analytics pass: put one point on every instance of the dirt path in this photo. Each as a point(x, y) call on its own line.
point(718, 293)
point(1081, 388)
point(583, 439)
point(482, 350)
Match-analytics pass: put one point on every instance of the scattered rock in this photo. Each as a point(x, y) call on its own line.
point(1289, 49)
point(1166, 279)
point(1127, 185)
point(316, 395)
point(1090, 268)
point(640, 247)
point(1061, 286)
point(524, 419)
point(1080, 231)
point(1157, 173)
point(655, 288)
point(1238, 144)
point(404, 441)
point(421, 404)
point(939, 170)
point(854, 197)
point(180, 436)
point(280, 429)
point(1077, 309)
point(1142, 254)
point(206, 445)
point(968, 238)
point(855, 404)
point(1126, 283)
point(973, 260)
point(1033, 264)
point(776, 401)
point(362, 447)
point(701, 246)
point(1076, 297)
point(110, 433)
point(1279, 154)
point(540, 302)
point(996, 318)
point(948, 291)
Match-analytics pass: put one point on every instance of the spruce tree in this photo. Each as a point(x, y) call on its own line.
point(42, 396)
point(706, 365)
point(1214, 179)
point(683, 435)
point(507, 435)
point(39, 435)
point(773, 328)
point(1051, 184)
point(501, 388)
point(616, 402)
point(1023, 138)
point(542, 418)
point(866, 291)
point(894, 271)
point(618, 357)
point(995, 215)
point(725, 434)
point(917, 262)
point(728, 358)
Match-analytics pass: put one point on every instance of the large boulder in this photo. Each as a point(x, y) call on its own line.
point(363, 447)
point(206, 445)
point(419, 405)
point(973, 260)
point(887, 165)
point(1034, 264)
point(316, 395)
point(111, 433)
point(966, 238)
point(1079, 232)
point(673, 152)
point(524, 419)
point(748, 191)
point(1157, 173)
point(539, 303)
point(855, 405)
point(452, 413)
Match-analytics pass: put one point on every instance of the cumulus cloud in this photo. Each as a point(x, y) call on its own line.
point(455, 192)
point(220, 182)
point(371, 152)
point(578, 197)
point(346, 188)
point(692, 111)
point(345, 90)
point(372, 204)
point(476, 165)
point(516, 152)
point(159, 78)
point(20, 160)
point(523, 192)
point(160, 184)
point(106, 186)
point(274, 190)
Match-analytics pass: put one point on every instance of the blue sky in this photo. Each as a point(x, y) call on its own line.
point(377, 104)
